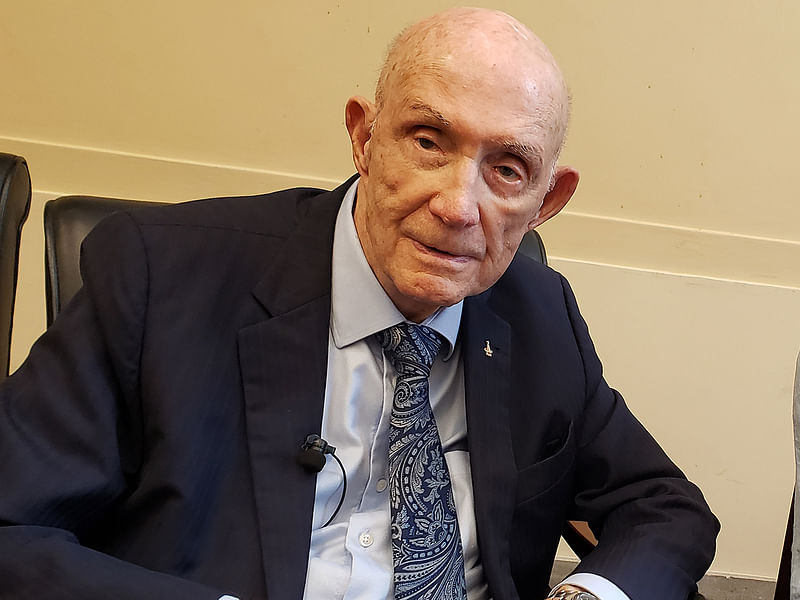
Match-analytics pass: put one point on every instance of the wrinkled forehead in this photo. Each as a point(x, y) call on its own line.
point(496, 87)
point(498, 64)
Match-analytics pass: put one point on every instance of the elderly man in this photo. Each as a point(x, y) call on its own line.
point(149, 443)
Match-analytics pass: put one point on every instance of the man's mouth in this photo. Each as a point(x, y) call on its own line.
point(439, 252)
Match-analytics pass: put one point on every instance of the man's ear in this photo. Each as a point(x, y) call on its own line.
point(359, 114)
point(565, 180)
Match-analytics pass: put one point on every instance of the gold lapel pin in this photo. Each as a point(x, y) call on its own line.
point(488, 349)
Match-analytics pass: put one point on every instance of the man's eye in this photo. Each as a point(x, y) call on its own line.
point(507, 172)
point(425, 143)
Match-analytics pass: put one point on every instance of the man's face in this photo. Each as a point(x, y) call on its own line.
point(453, 174)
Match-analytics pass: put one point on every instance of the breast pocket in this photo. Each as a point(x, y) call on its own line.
point(543, 475)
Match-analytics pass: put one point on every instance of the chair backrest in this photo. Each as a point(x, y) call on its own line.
point(533, 246)
point(788, 584)
point(15, 203)
point(67, 220)
point(794, 516)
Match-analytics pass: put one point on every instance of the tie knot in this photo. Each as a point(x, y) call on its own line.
point(410, 347)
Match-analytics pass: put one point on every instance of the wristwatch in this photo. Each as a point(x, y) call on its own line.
point(568, 594)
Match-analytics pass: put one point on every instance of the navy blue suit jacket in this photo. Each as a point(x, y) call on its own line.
point(147, 445)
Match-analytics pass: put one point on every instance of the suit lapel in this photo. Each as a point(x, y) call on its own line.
point(283, 363)
point(487, 390)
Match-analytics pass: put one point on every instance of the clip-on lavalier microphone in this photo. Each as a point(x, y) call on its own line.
point(312, 457)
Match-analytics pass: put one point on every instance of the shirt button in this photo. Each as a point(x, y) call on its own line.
point(365, 539)
point(381, 485)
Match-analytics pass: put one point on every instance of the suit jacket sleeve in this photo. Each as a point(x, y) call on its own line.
point(656, 533)
point(71, 438)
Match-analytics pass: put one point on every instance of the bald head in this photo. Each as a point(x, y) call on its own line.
point(481, 44)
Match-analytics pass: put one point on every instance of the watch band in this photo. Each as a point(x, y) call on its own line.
point(567, 594)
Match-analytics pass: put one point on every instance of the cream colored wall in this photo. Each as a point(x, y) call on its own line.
point(682, 243)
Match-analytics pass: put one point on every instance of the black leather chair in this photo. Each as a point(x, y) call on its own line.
point(783, 585)
point(533, 246)
point(15, 203)
point(785, 568)
point(67, 220)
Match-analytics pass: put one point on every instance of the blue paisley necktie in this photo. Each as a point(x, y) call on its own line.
point(426, 546)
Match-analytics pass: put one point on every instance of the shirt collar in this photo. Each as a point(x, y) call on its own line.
point(359, 305)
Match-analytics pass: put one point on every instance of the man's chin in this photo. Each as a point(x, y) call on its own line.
point(426, 295)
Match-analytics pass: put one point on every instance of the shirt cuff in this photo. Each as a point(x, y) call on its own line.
point(599, 586)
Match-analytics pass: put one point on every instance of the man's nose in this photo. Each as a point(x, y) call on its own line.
point(456, 201)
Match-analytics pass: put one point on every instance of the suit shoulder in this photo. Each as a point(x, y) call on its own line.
point(530, 289)
point(271, 214)
point(526, 274)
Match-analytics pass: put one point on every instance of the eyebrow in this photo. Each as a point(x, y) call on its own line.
point(431, 113)
point(527, 152)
